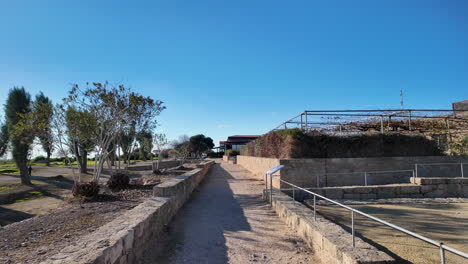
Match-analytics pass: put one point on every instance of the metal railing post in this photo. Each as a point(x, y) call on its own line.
point(442, 254)
point(365, 178)
point(416, 169)
point(381, 125)
point(352, 228)
point(442, 247)
point(266, 184)
point(294, 196)
point(461, 167)
point(315, 210)
point(271, 189)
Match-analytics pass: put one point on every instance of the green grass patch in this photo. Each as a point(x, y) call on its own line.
point(35, 193)
point(8, 171)
point(8, 165)
point(29, 196)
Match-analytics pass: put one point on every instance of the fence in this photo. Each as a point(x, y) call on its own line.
point(417, 167)
point(361, 178)
point(440, 245)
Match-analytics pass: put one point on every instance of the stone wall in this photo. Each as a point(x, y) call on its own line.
point(329, 241)
point(123, 239)
point(422, 188)
point(257, 165)
point(326, 172)
point(162, 165)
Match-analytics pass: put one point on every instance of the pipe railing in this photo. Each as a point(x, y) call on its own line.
point(416, 165)
point(440, 245)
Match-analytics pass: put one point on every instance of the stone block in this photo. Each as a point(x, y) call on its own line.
point(454, 189)
point(387, 192)
point(410, 189)
point(334, 193)
point(352, 196)
point(368, 189)
point(436, 194)
point(368, 196)
point(428, 188)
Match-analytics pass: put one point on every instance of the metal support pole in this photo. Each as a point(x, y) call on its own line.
point(442, 254)
point(461, 167)
point(302, 126)
point(352, 227)
point(409, 120)
point(271, 189)
point(266, 184)
point(294, 196)
point(448, 129)
point(416, 169)
point(365, 178)
point(381, 125)
point(315, 210)
point(306, 125)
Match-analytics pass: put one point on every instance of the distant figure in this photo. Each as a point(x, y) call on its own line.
point(29, 170)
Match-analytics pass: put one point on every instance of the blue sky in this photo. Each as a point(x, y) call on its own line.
point(241, 67)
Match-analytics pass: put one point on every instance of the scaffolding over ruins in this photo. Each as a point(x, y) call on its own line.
point(442, 125)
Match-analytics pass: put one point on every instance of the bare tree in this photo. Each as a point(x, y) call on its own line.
point(160, 141)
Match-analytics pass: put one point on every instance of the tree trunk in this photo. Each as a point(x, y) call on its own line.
point(84, 162)
point(48, 159)
point(23, 167)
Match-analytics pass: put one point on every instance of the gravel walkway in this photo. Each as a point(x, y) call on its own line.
point(227, 221)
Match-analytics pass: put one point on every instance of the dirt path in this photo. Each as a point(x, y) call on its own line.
point(227, 221)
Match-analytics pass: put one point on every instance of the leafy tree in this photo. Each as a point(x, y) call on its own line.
point(17, 107)
point(200, 144)
point(43, 111)
point(127, 136)
point(145, 141)
point(182, 147)
point(115, 109)
point(81, 127)
point(4, 138)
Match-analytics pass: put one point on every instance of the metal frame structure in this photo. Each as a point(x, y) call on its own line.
point(440, 245)
point(348, 121)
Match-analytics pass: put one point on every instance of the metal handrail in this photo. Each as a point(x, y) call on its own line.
point(441, 246)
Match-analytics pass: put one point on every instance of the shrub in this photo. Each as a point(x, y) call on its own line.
point(118, 181)
point(293, 143)
point(85, 190)
point(232, 153)
point(39, 158)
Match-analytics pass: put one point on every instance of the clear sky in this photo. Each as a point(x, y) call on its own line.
point(241, 67)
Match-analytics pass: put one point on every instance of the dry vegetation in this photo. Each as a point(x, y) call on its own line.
point(294, 143)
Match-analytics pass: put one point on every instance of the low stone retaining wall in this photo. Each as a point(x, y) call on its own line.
point(230, 160)
point(422, 188)
point(257, 165)
point(122, 240)
point(326, 172)
point(162, 165)
point(329, 241)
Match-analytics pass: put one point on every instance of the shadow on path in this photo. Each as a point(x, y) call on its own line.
point(197, 233)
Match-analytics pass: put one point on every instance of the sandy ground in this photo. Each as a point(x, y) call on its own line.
point(227, 221)
point(18, 203)
point(438, 220)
